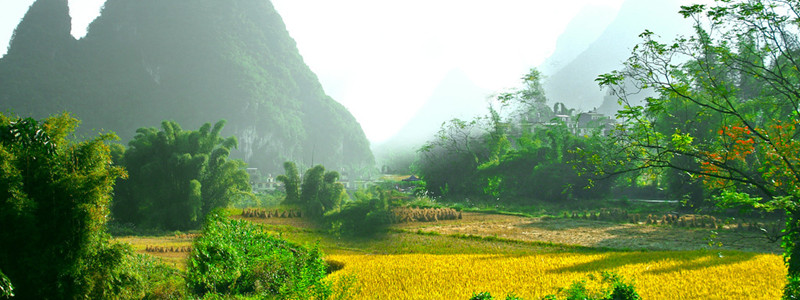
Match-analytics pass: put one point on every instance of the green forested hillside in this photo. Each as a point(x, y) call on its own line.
point(188, 61)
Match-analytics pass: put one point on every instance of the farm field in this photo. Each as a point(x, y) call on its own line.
point(599, 234)
point(657, 275)
point(531, 257)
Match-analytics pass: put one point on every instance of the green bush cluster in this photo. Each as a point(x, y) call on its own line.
point(135, 276)
point(368, 215)
point(360, 218)
point(488, 296)
point(235, 257)
point(325, 199)
point(616, 289)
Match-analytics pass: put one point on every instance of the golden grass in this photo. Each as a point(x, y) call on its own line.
point(657, 275)
point(407, 265)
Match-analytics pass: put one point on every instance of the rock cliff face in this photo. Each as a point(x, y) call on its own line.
point(144, 61)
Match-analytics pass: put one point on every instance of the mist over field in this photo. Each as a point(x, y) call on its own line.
point(310, 149)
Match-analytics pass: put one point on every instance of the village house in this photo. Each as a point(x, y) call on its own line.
point(587, 123)
point(261, 184)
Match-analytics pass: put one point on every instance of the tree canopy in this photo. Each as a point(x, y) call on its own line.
point(54, 199)
point(177, 176)
point(291, 182)
point(318, 192)
point(520, 151)
point(726, 111)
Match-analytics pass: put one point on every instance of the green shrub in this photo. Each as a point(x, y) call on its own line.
point(367, 216)
point(481, 296)
point(617, 289)
point(136, 276)
point(512, 297)
point(235, 257)
point(362, 218)
point(488, 296)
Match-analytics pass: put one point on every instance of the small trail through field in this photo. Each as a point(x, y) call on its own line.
point(599, 233)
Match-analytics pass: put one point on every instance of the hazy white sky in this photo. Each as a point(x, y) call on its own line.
point(382, 59)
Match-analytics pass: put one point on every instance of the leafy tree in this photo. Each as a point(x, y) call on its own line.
point(521, 154)
point(541, 167)
point(54, 198)
point(529, 103)
point(312, 185)
point(332, 193)
point(291, 182)
point(321, 192)
point(448, 162)
point(178, 176)
point(318, 192)
point(739, 75)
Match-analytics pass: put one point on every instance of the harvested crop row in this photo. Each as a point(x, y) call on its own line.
point(165, 249)
point(408, 214)
point(264, 214)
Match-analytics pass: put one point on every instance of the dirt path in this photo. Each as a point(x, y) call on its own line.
point(598, 233)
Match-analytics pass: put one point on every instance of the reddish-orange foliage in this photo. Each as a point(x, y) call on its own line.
point(776, 153)
point(737, 143)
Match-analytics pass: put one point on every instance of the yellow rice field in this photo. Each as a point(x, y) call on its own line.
point(657, 275)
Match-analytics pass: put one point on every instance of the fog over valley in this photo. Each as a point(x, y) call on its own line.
point(383, 61)
point(361, 149)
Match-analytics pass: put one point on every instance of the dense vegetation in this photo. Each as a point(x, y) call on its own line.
point(722, 130)
point(617, 289)
point(54, 206)
point(176, 176)
point(726, 111)
point(139, 64)
point(321, 191)
point(238, 258)
point(317, 193)
point(368, 215)
point(324, 200)
point(518, 156)
point(53, 210)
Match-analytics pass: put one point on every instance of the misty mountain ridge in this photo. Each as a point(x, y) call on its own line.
point(587, 25)
point(142, 62)
point(574, 84)
point(456, 96)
